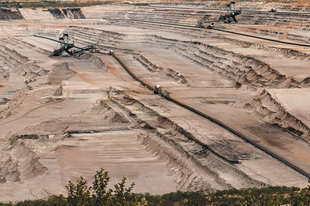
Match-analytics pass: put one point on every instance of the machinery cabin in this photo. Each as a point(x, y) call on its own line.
point(230, 15)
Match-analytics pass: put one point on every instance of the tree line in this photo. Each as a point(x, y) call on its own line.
point(99, 194)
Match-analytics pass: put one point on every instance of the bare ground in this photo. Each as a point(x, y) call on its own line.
point(66, 117)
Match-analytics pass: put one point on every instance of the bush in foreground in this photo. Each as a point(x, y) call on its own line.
point(99, 194)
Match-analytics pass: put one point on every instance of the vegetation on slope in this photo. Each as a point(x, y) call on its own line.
point(60, 4)
point(49, 4)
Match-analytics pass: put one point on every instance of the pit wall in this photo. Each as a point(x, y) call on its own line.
point(41, 14)
point(297, 5)
point(250, 14)
point(9, 14)
point(269, 110)
point(210, 164)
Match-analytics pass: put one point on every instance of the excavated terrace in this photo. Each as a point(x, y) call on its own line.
point(68, 116)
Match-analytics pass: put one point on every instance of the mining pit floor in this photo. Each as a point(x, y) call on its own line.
point(62, 117)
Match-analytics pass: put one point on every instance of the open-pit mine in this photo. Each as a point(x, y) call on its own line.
point(193, 96)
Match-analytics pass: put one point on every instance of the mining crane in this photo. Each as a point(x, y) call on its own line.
point(230, 15)
point(67, 45)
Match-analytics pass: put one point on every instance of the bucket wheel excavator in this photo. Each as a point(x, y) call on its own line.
point(67, 46)
point(228, 17)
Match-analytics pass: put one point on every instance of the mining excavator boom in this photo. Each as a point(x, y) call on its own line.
point(228, 17)
point(67, 46)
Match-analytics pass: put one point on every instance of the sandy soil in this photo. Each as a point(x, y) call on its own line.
point(65, 117)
